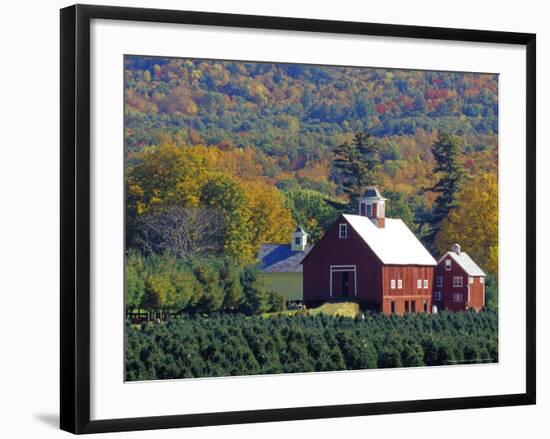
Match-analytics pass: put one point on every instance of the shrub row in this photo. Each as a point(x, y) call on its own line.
point(224, 345)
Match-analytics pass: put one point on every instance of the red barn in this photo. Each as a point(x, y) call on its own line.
point(372, 259)
point(460, 283)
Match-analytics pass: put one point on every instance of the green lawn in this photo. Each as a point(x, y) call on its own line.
point(344, 309)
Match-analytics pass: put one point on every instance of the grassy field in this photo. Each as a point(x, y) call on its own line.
point(342, 309)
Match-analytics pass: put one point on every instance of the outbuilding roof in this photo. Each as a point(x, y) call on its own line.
point(394, 243)
point(279, 258)
point(465, 262)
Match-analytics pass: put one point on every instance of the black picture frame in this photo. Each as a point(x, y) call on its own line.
point(75, 217)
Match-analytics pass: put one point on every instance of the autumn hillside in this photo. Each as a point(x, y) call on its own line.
point(296, 113)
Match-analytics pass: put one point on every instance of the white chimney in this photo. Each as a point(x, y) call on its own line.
point(299, 240)
point(456, 248)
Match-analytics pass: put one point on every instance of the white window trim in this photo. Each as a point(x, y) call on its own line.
point(343, 231)
point(419, 283)
point(439, 281)
point(437, 296)
point(458, 297)
point(399, 284)
point(426, 283)
point(448, 264)
point(348, 268)
point(458, 282)
point(392, 284)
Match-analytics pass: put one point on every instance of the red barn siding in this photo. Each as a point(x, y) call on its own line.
point(332, 250)
point(419, 299)
point(409, 275)
point(415, 304)
point(477, 293)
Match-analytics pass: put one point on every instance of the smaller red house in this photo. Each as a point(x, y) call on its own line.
point(459, 282)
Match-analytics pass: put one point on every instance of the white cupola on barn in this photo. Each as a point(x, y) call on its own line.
point(299, 240)
point(456, 248)
point(373, 206)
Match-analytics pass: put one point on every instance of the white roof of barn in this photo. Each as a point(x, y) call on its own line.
point(466, 262)
point(393, 244)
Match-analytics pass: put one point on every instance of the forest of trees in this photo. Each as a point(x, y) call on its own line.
point(299, 112)
point(225, 345)
point(245, 151)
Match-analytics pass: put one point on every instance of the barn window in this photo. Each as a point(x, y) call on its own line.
point(419, 283)
point(298, 241)
point(399, 283)
point(406, 306)
point(457, 281)
point(437, 295)
point(447, 264)
point(369, 210)
point(413, 306)
point(458, 297)
point(393, 307)
point(481, 280)
point(425, 283)
point(425, 306)
point(343, 230)
point(439, 281)
point(392, 283)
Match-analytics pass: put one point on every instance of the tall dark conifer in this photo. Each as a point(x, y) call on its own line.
point(354, 165)
point(451, 174)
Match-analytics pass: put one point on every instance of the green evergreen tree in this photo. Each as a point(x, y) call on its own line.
point(231, 282)
point(275, 301)
point(449, 169)
point(354, 165)
point(134, 282)
point(212, 290)
point(398, 207)
point(255, 294)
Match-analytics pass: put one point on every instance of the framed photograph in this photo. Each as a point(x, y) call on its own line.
point(268, 219)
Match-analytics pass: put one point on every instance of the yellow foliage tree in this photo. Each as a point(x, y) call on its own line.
point(198, 176)
point(270, 221)
point(474, 223)
point(167, 175)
